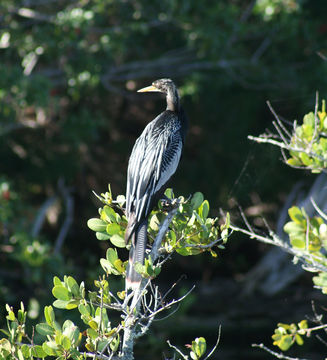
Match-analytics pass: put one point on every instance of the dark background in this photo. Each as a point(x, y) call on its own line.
point(70, 114)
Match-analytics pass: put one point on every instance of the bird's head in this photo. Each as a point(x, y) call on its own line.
point(162, 85)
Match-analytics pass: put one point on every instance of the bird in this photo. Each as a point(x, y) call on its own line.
point(153, 161)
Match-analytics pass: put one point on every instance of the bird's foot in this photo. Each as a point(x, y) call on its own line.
point(168, 204)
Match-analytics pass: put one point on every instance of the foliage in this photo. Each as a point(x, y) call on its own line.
point(310, 140)
point(309, 236)
point(191, 231)
point(286, 335)
point(102, 334)
point(306, 144)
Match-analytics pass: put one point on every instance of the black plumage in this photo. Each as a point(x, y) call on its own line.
point(154, 159)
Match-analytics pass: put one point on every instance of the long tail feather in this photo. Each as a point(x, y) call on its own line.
point(136, 254)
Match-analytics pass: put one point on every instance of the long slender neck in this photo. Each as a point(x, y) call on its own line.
point(172, 100)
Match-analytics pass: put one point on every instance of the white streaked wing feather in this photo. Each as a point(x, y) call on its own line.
point(153, 161)
point(169, 169)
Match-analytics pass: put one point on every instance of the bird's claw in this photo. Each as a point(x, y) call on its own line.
point(168, 204)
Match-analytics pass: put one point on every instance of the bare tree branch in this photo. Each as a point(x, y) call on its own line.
point(275, 354)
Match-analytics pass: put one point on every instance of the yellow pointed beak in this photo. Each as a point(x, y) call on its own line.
point(149, 88)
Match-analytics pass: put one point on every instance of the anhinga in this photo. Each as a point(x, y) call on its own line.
point(154, 159)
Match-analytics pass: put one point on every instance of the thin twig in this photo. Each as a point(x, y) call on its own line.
point(278, 119)
point(277, 355)
point(307, 233)
point(177, 350)
point(245, 219)
point(313, 139)
point(280, 133)
point(208, 246)
point(307, 258)
point(216, 345)
point(321, 339)
point(285, 146)
point(173, 302)
point(319, 211)
point(172, 287)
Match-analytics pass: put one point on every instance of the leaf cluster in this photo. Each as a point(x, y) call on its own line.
point(191, 232)
point(311, 138)
point(308, 234)
point(286, 335)
point(63, 341)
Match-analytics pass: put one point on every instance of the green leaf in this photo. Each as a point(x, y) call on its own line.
point(303, 324)
point(92, 333)
point(61, 293)
point(115, 344)
point(309, 119)
point(321, 281)
point(71, 331)
point(154, 223)
point(169, 193)
point(49, 315)
point(298, 243)
point(26, 351)
point(308, 132)
point(285, 343)
point(73, 286)
point(108, 267)
point(5, 345)
point(227, 221)
point(157, 270)
point(38, 351)
point(11, 316)
point(204, 209)
point(84, 309)
point(60, 304)
point(306, 160)
point(102, 236)
point(294, 229)
point(50, 348)
point(199, 346)
point(112, 229)
point(44, 329)
point(93, 325)
point(299, 339)
point(109, 214)
point(296, 215)
point(119, 266)
point(118, 241)
point(139, 268)
point(21, 315)
point(197, 200)
point(65, 342)
point(72, 304)
point(294, 162)
point(82, 290)
point(20, 354)
point(97, 224)
point(111, 255)
point(56, 281)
